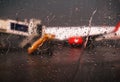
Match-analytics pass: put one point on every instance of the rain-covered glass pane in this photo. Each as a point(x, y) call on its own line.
point(59, 40)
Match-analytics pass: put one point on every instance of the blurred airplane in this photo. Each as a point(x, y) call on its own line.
point(36, 34)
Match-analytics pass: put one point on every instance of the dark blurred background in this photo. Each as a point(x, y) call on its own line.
point(62, 12)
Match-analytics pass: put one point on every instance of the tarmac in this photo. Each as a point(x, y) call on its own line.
point(66, 64)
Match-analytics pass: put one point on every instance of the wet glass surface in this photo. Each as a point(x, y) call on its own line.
point(100, 63)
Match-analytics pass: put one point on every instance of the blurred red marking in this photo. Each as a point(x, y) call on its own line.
point(75, 40)
point(117, 27)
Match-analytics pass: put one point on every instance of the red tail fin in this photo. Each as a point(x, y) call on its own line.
point(117, 27)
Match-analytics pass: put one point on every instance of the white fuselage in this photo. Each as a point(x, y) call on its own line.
point(63, 33)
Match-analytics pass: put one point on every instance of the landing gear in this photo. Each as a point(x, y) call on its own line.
point(90, 43)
